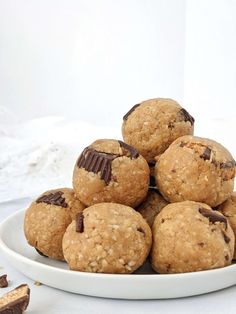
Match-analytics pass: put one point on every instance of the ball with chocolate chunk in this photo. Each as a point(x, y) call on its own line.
point(190, 236)
point(107, 238)
point(196, 169)
point(111, 171)
point(47, 218)
point(228, 209)
point(154, 124)
point(152, 205)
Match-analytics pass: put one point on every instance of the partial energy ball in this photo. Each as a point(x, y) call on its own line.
point(107, 238)
point(228, 209)
point(190, 236)
point(48, 217)
point(196, 169)
point(152, 205)
point(154, 124)
point(111, 171)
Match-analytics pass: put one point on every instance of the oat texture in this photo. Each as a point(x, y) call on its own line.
point(129, 176)
point(190, 236)
point(114, 239)
point(151, 206)
point(154, 125)
point(46, 220)
point(196, 169)
point(228, 209)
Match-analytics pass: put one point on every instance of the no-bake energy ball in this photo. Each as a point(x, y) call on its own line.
point(154, 124)
point(152, 205)
point(190, 236)
point(196, 169)
point(111, 171)
point(47, 218)
point(107, 238)
point(228, 209)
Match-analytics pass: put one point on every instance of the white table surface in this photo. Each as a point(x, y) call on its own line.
point(52, 301)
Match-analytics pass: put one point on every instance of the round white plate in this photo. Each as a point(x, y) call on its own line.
point(136, 286)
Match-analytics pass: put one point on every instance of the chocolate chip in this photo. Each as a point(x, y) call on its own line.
point(141, 230)
point(206, 155)
point(80, 222)
point(54, 198)
point(162, 220)
point(133, 151)
point(171, 125)
point(40, 253)
point(201, 244)
point(212, 216)
point(3, 281)
point(130, 111)
point(227, 257)
point(226, 238)
point(228, 164)
point(94, 161)
point(182, 144)
point(185, 116)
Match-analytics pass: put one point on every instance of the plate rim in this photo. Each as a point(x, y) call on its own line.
point(11, 253)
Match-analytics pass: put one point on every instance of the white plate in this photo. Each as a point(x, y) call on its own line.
point(136, 286)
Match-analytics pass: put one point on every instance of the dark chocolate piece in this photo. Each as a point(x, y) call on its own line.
point(133, 151)
point(227, 257)
point(206, 155)
point(212, 216)
point(226, 238)
point(140, 230)
point(201, 244)
point(94, 161)
point(186, 116)
point(80, 222)
point(54, 198)
point(228, 164)
point(3, 281)
point(15, 301)
point(40, 253)
point(130, 111)
point(182, 144)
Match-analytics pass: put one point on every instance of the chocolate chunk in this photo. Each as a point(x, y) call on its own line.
point(227, 257)
point(133, 151)
point(206, 155)
point(201, 244)
point(40, 253)
point(15, 301)
point(94, 161)
point(228, 164)
point(185, 116)
point(226, 238)
point(130, 111)
point(140, 230)
point(3, 281)
point(212, 216)
point(171, 125)
point(80, 222)
point(182, 144)
point(54, 198)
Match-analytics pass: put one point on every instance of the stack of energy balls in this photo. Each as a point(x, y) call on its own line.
point(162, 191)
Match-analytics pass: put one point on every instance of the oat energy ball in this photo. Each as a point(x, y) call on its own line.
point(196, 169)
point(190, 236)
point(154, 124)
point(228, 209)
point(152, 205)
point(111, 171)
point(47, 218)
point(107, 238)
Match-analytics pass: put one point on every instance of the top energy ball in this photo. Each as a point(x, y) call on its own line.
point(154, 124)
